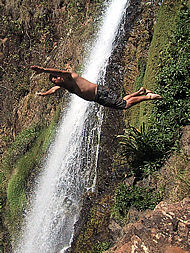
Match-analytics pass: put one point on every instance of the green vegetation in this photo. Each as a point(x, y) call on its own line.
point(140, 78)
point(141, 198)
point(22, 143)
point(21, 161)
point(101, 247)
point(144, 151)
point(138, 150)
point(155, 127)
point(164, 28)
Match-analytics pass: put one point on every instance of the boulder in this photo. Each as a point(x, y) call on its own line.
point(164, 230)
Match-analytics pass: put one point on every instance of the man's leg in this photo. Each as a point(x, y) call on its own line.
point(138, 99)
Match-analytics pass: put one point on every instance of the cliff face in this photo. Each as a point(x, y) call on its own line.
point(46, 33)
point(99, 226)
point(55, 33)
point(129, 57)
point(166, 228)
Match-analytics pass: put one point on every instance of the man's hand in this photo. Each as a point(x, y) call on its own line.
point(39, 93)
point(38, 69)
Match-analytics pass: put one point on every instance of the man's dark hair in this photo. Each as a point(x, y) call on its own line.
point(51, 77)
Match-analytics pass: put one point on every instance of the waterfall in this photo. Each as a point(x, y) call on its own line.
point(70, 167)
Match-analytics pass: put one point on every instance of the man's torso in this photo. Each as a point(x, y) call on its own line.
point(80, 86)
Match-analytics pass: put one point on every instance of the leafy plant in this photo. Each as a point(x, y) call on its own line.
point(101, 247)
point(138, 147)
point(141, 198)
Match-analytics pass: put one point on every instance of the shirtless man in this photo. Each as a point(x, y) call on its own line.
point(90, 91)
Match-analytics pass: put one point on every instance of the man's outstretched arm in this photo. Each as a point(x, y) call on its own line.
point(49, 92)
point(56, 72)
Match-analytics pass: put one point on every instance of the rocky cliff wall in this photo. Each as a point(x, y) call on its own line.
point(50, 34)
point(95, 224)
point(54, 33)
point(99, 228)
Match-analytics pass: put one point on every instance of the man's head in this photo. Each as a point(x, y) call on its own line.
point(55, 79)
point(51, 77)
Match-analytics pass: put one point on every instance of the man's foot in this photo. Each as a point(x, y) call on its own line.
point(142, 91)
point(148, 91)
point(153, 96)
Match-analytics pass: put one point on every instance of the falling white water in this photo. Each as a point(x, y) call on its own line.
point(70, 167)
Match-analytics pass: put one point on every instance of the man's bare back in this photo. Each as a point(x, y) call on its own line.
point(92, 92)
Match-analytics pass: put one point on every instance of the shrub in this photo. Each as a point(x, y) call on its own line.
point(138, 148)
point(141, 198)
point(101, 247)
